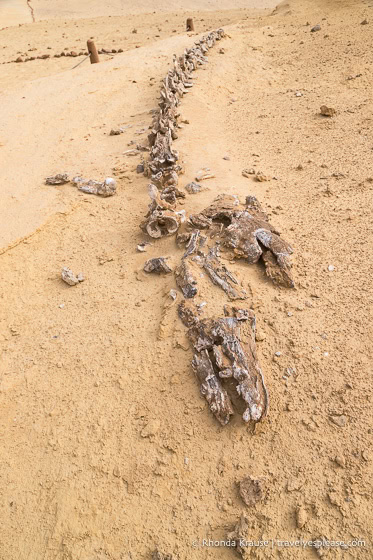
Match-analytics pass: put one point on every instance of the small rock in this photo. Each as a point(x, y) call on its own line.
point(316, 28)
point(140, 168)
point(248, 172)
point(364, 22)
point(301, 517)
point(331, 268)
point(340, 460)
point(327, 111)
point(151, 428)
point(277, 354)
point(19, 59)
point(260, 177)
point(251, 490)
point(340, 421)
point(69, 277)
point(260, 336)
point(134, 30)
point(298, 94)
point(193, 188)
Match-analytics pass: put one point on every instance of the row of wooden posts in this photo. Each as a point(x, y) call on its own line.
point(93, 54)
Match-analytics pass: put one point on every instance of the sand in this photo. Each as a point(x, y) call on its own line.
point(83, 369)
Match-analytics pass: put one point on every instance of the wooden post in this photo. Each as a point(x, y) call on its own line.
point(190, 24)
point(92, 51)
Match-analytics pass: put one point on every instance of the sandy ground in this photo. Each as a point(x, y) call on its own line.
point(84, 369)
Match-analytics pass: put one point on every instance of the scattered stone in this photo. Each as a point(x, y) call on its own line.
point(151, 429)
point(251, 490)
point(298, 94)
point(301, 517)
point(239, 534)
point(340, 460)
point(134, 30)
point(316, 28)
point(157, 265)
point(340, 420)
point(327, 111)
point(140, 168)
point(278, 354)
point(19, 59)
point(260, 336)
point(260, 177)
point(193, 188)
point(59, 179)
point(69, 277)
point(248, 172)
point(364, 22)
point(331, 268)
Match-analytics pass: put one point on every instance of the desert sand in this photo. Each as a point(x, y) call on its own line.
point(108, 450)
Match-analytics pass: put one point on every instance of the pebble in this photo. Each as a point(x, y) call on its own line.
point(277, 354)
point(340, 421)
point(340, 460)
point(151, 428)
point(331, 268)
point(316, 28)
point(301, 517)
point(298, 94)
point(260, 336)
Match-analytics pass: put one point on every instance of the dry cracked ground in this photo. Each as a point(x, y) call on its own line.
point(108, 450)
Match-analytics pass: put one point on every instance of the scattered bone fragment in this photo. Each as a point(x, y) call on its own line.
point(193, 188)
point(327, 111)
point(239, 535)
point(203, 174)
point(142, 247)
point(69, 277)
point(221, 276)
point(251, 490)
point(59, 179)
point(225, 348)
point(90, 186)
point(185, 280)
point(158, 265)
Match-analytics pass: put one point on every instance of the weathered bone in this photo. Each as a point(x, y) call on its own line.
point(246, 231)
point(225, 348)
point(221, 276)
point(185, 280)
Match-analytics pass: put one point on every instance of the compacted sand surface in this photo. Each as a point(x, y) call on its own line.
point(108, 450)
